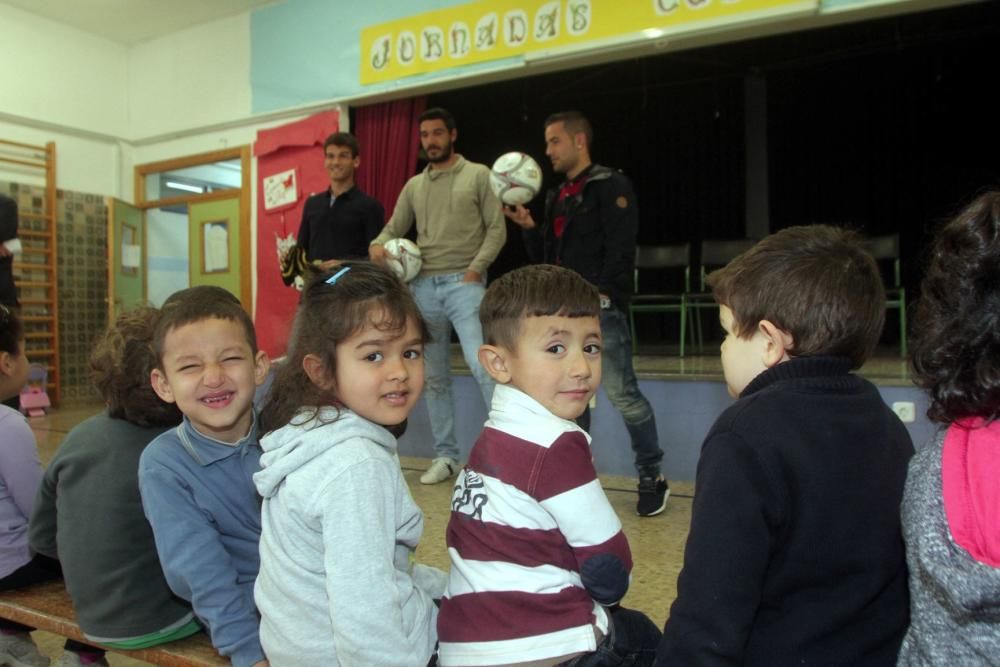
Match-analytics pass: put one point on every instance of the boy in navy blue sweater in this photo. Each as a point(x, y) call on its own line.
point(795, 554)
point(195, 480)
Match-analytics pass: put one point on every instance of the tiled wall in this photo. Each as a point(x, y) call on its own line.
point(82, 278)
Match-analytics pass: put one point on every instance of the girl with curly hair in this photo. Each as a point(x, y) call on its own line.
point(951, 506)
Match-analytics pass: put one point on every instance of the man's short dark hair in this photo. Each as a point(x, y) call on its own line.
point(537, 290)
point(815, 282)
point(194, 304)
point(344, 140)
point(438, 113)
point(575, 123)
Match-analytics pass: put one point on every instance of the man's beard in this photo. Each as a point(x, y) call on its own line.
point(446, 152)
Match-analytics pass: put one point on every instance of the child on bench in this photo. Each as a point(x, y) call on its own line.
point(89, 515)
point(20, 472)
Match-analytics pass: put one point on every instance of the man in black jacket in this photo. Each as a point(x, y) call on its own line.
point(590, 226)
point(341, 221)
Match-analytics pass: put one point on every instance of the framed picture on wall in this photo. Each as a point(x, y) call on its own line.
point(281, 190)
point(215, 246)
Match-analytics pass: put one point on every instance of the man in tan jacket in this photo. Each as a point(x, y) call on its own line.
point(460, 231)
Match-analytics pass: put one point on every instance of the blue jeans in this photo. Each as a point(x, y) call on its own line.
point(631, 641)
point(446, 301)
point(622, 388)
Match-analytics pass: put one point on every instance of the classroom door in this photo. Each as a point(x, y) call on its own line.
point(126, 256)
point(219, 246)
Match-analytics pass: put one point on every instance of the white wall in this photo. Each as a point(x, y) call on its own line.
point(83, 164)
point(109, 107)
point(192, 78)
point(68, 86)
point(94, 97)
point(57, 74)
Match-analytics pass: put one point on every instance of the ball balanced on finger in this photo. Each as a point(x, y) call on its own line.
point(403, 257)
point(515, 178)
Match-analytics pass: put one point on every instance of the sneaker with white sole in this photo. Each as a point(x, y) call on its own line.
point(18, 650)
point(71, 659)
point(441, 469)
point(653, 494)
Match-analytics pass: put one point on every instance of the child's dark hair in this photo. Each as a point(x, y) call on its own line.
point(120, 365)
point(11, 331)
point(194, 304)
point(327, 315)
point(815, 282)
point(534, 291)
point(956, 347)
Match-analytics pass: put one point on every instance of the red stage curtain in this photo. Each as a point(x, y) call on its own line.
point(387, 134)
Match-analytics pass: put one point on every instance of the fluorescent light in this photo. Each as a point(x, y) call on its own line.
point(174, 185)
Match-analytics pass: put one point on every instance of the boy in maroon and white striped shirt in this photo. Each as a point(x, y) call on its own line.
point(539, 559)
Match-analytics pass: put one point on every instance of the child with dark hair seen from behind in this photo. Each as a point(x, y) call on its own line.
point(539, 558)
point(795, 554)
point(20, 473)
point(196, 479)
point(89, 515)
point(951, 507)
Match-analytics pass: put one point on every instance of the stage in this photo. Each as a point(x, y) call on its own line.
point(687, 394)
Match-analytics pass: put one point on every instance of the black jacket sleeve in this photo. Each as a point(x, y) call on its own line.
point(304, 228)
point(374, 221)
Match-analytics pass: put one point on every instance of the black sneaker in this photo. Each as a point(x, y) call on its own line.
point(653, 494)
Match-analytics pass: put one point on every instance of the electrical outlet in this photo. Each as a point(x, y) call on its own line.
point(905, 411)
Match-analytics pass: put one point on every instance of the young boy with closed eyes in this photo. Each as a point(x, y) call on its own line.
point(196, 479)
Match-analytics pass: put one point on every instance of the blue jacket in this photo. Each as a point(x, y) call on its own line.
point(198, 495)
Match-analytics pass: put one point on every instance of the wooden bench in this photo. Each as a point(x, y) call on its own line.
point(48, 607)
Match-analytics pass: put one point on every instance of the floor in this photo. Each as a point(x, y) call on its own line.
point(662, 363)
point(657, 542)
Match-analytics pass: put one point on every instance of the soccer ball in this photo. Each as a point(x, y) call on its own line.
point(404, 258)
point(516, 178)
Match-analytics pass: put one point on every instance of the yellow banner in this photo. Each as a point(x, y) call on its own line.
point(496, 29)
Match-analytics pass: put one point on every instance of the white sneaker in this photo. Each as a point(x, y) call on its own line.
point(442, 468)
point(19, 650)
point(71, 659)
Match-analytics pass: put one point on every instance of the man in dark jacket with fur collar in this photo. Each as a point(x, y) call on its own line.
point(590, 226)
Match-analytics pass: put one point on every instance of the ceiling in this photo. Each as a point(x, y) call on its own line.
point(131, 22)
